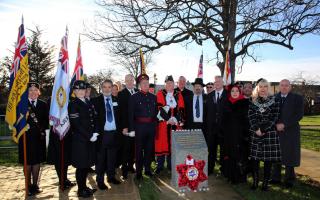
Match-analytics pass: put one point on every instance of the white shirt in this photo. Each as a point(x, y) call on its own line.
point(195, 119)
point(171, 101)
point(131, 91)
point(109, 126)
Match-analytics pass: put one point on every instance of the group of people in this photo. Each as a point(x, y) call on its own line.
point(131, 128)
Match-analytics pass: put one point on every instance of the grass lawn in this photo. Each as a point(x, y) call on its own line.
point(310, 139)
point(313, 120)
point(304, 189)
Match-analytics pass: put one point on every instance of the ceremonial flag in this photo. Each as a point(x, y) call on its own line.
point(17, 107)
point(142, 64)
point(78, 69)
point(200, 69)
point(60, 94)
point(227, 70)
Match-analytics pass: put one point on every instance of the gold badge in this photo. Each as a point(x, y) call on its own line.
point(61, 97)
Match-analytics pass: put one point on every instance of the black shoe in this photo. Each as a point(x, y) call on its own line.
point(31, 191)
point(114, 181)
point(255, 176)
point(288, 185)
point(131, 169)
point(139, 177)
point(150, 174)
point(36, 189)
point(91, 171)
point(68, 184)
point(93, 190)
point(84, 193)
point(265, 185)
point(158, 171)
point(275, 182)
point(102, 186)
point(125, 174)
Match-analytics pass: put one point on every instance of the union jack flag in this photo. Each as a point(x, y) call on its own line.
point(200, 69)
point(78, 69)
point(63, 54)
point(19, 53)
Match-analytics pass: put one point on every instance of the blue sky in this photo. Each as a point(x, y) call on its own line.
point(274, 63)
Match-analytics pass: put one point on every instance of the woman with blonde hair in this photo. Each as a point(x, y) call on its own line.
point(263, 114)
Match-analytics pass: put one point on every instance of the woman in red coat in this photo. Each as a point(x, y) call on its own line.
point(171, 107)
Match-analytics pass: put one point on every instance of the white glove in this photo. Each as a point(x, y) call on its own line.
point(47, 131)
point(172, 120)
point(94, 137)
point(166, 109)
point(131, 134)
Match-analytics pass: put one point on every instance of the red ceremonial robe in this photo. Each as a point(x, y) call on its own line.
point(163, 133)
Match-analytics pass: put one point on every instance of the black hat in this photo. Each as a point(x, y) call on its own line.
point(142, 77)
point(198, 81)
point(79, 84)
point(169, 78)
point(151, 85)
point(210, 83)
point(33, 84)
point(88, 85)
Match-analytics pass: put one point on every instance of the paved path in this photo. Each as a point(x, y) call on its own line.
point(12, 186)
point(310, 164)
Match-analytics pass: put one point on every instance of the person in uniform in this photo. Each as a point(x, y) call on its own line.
point(127, 142)
point(143, 121)
point(107, 108)
point(38, 121)
point(85, 132)
point(264, 111)
point(171, 111)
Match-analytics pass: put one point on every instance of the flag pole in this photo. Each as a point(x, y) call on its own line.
point(62, 165)
point(25, 164)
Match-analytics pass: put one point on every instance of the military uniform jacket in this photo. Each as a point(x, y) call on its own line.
point(38, 121)
point(83, 118)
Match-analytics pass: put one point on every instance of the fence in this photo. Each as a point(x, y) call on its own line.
point(8, 149)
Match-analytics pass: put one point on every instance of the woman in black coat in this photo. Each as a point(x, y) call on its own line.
point(234, 147)
point(265, 145)
point(38, 121)
point(83, 123)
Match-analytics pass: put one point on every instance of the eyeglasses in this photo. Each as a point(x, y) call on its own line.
point(209, 87)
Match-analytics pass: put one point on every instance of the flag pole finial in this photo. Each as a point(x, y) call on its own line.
point(22, 20)
point(67, 30)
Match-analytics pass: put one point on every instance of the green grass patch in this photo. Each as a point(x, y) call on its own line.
point(7, 143)
point(310, 139)
point(313, 120)
point(304, 189)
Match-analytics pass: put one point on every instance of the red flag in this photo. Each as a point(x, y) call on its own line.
point(200, 69)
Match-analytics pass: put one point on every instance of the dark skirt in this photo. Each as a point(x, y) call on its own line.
point(83, 153)
point(36, 147)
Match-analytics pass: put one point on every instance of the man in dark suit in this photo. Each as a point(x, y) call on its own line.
point(127, 146)
point(195, 107)
point(214, 108)
point(291, 112)
point(182, 88)
point(107, 109)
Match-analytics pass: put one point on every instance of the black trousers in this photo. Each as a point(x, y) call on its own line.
point(106, 156)
point(81, 177)
point(128, 153)
point(57, 167)
point(144, 145)
point(213, 141)
point(266, 169)
point(290, 175)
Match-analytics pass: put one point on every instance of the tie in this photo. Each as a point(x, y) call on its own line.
point(218, 97)
point(197, 107)
point(32, 103)
point(109, 111)
point(283, 99)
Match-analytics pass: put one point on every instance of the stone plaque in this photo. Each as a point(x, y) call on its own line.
point(189, 160)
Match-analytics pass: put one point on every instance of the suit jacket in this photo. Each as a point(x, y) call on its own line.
point(291, 112)
point(189, 110)
point(100, 107)
point(123, 98)
point(214, 112)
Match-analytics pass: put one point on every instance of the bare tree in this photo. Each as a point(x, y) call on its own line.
point(96, 79)
point(234, 25)
point(129, 62)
